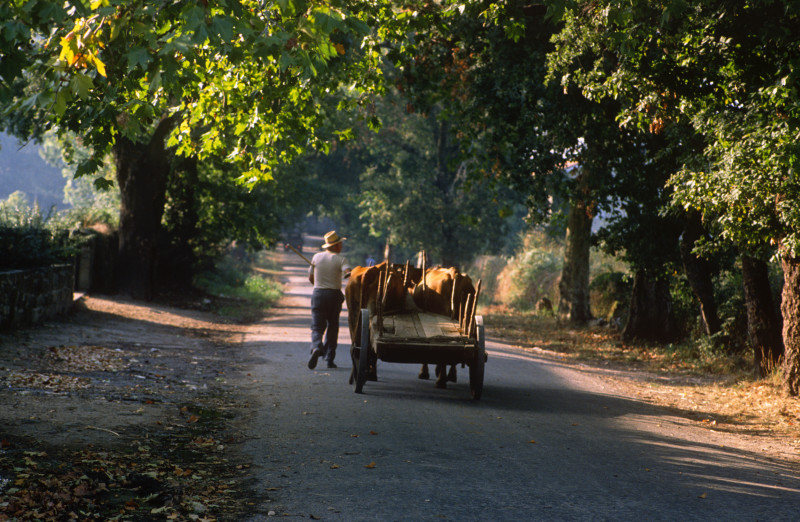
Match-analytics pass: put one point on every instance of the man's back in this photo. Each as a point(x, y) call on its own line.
point(328, 268)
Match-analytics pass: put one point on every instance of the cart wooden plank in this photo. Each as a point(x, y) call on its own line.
point(419, 325)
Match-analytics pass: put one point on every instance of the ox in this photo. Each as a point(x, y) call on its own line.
point(444, 291)
point(362, 292)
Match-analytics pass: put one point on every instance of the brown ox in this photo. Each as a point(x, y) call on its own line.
point(362, 292)
point(443, 292)
point(437, 294)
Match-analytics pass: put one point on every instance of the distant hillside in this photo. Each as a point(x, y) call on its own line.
point(25, 170)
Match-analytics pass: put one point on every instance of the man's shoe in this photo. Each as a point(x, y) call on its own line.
point(316, 354)
point(332, 365)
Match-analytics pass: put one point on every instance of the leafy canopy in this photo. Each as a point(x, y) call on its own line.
point(242, 79)
point(730, 70)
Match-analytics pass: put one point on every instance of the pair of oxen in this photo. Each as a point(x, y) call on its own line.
point(442, 291)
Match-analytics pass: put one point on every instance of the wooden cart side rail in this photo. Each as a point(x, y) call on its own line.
point(441, 340)
point(417, 352)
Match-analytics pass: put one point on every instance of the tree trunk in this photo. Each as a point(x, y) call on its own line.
point(790, 308)
point(387, 249)
point(573, 289)
point(177, 260)
point(446, 151)
point(142, 170)
point(763, 323)
point(650, 315)
point(698, 272)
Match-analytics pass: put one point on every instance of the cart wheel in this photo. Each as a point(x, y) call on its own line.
point(477, 367)
point(363, 355)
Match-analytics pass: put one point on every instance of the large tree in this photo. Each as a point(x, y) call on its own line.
point(730, 70)
point(242, 80)
point(486, 63)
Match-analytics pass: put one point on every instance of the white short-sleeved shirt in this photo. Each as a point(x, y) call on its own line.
point(328, 269)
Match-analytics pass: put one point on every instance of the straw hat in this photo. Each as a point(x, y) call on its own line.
point(332, 238)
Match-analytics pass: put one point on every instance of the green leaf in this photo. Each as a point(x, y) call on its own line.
point(286, 61)
point(184, 42)
point(326, 20)
point(14, 29)
point(60, 105)
point(194, 16)
point(80, 85)
point(155, 82)
point(86, 167)
point(103, 183)
point(223, 28)
point(374, 123)
point(138, 56)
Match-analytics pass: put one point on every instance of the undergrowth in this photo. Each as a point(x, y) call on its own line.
point(243, 288)
point(603, 344)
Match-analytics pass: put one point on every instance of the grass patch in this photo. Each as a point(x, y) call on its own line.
point(243, 290)
point(530, 330)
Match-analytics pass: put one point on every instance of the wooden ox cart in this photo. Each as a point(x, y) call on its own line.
point(415, 331)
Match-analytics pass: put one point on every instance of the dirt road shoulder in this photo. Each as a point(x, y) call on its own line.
point(121, 409)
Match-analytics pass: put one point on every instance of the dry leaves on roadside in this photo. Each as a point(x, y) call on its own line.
point(86, 358)
point(47, 381)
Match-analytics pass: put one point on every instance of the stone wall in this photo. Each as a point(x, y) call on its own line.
point(30, 296)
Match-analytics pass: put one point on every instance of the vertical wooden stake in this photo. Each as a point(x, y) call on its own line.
point(475, 307)
point(453, 296)
point(468, 315)
point(379, 302)
point(424, 284)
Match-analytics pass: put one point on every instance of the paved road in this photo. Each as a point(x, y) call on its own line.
point(546, 442)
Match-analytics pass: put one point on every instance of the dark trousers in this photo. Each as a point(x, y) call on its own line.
point(326, 305)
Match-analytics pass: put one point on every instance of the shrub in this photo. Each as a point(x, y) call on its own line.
point(28, 239)
point(232, 278)
point(488, 269)
point(610, 293)
point(532, 273)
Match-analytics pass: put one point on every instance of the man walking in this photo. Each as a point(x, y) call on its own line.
point(325, 273)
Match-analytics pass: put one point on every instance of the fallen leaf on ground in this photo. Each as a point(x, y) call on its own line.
point(370, 465)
